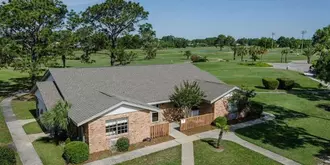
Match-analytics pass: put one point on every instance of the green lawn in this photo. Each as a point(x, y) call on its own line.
point(171, 156)
point(301, 129)
point(49, 152)
point(240, 75)
point(24, 109)
point(233, 154)
point(32, 128)
point(5, 137)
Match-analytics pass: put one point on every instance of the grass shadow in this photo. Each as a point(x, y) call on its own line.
point(16, 85)
point(279, 134)
point(33, 113)
point(326, 107)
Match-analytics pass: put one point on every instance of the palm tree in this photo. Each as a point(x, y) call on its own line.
point(242, 51)
point(302, 39)
point(262, 51)
point(221, 123)
point(56, 120)
point(309, 52)
point(234, 49)
point(273, 34)
point(284, 52)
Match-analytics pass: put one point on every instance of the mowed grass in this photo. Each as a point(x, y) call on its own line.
point(251, 77)
point(300, 130)
point(49, 152)
point(5, 137)
point(24, 109)
point(32, 128)
point(171, 156)
point(234, 154)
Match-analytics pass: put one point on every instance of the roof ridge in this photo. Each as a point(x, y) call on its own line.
point(121, 66)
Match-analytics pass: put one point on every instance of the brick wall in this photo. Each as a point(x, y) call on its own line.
point(139, 123)
point(220, 107)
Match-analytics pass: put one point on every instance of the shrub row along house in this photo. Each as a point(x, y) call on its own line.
point(113, 102)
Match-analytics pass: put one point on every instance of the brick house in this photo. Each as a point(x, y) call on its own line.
point(112, 102)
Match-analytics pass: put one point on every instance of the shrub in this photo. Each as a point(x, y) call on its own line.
point(76, 152)
point(270, 83)
point(67, 140)
point(256, 109)
point(7, 156)
point(285, 83)
point(122, 144)
point(196, 58)
point(256, 64)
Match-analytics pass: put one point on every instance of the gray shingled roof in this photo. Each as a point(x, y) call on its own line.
point(92, 90)
point(49, 93)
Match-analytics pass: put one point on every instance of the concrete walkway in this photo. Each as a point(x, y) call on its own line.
point(187, 151)
point(22, 143)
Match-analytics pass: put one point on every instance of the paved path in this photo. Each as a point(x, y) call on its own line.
point(22, 143)
point(23, 122)
point(34, 137)
point(299, 66)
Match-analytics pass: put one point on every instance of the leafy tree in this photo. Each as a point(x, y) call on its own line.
point(254, 51)
point(129, 41)
point(149, 40)
point(283, 42)
point(253, 41)
point(56, 119)
point(242, 98)
point(294, 43)
point(221, 123)
point(221, 41)
point(242, 41)
point(64, 44)
point(309, 52)
point(322, 66)
point(285, 53)
point(29, 25)
point(322, 38)
point(123, 57)
point(8, 52)
point(230, 40)
point(262, 51)
point(265, 42)
point(242, 51)
point(187, 53)
point(186, 96)
point(115, 18)
point(90, 42)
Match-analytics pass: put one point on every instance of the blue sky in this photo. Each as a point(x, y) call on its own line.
point(239, 18)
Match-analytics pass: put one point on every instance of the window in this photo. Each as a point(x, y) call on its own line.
point(154, 116)
point(232, 107)
point(116, 127)
point(157, 105)
point(194, 112)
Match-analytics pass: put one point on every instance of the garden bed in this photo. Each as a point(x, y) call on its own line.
point(198, 130)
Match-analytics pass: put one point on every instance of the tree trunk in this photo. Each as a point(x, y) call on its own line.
point(63, 61)
point(242, 58)
point(34, 65)
point(234, 55)
point(260, 57)
point(187, 112)
point(281, 58)
point(308, 60)
point(286, 58)
point(113, 56)
point(220, 137)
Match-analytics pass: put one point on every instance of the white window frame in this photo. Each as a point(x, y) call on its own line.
point(115, 122)
point(195, 112)
point(152, 117)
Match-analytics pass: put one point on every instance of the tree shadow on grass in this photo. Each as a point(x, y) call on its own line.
point(33, 113)
point(324, 106)
point(277, 133)
point(15, 85)
point(211, 141)
point(310, 93)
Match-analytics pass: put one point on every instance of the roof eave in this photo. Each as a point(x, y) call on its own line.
point(224, 94)
point(112, 108)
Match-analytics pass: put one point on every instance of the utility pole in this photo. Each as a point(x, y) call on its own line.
point(273, 34)
point(302, 39)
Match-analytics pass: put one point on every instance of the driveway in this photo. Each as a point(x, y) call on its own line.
point(299, 66)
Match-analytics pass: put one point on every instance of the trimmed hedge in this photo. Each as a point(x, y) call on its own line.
point(76, 152)
point(196, 58)
point(270, 83)
point(285, 83)
point(122, 144)
point(7, 156)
